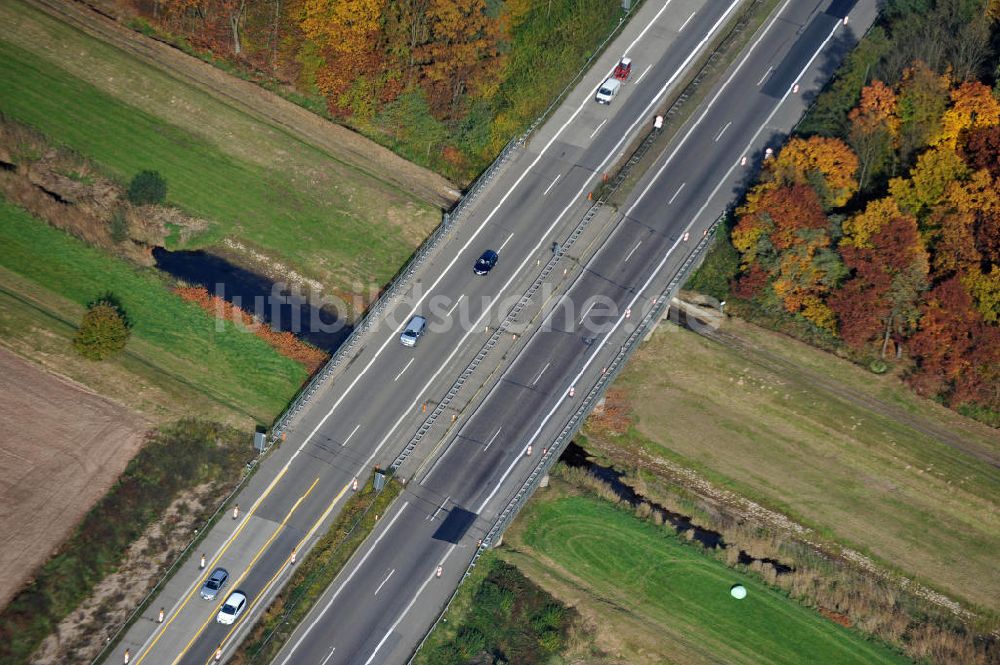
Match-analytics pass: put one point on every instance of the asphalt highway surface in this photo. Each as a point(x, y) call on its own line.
point(381, 606)
point(390, 593)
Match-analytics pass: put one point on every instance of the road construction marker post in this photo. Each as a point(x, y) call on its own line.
point(159, 618)
point(201, 566)
point(128, 656)
point(628, 312)
point(686, 236)
point(439, 571)
point(572, 390)
point(293, 555)
point(743, 160)
point(354, 484)
point(218, 654)
point(658, 123)
point(527, 451)
point(236, 511)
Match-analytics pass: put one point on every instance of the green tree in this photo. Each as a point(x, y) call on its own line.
point(104, 330)
point(147, 187)
point(721, 265)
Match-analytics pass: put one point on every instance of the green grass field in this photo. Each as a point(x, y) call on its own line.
point(661, 600)
point(251, 180)
point(851, 454)
point(174, 344)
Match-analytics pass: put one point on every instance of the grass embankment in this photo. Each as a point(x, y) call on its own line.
point(251, 180)
point(853, 455)
point(498, 611)
point(355, 521)
point(178, 457)
point(655, 598)
point(175, 346)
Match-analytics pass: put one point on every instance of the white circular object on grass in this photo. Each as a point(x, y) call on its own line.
point(738, 591)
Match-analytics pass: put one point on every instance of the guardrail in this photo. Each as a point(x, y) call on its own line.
point(395, 288)
point(443, 229)
point(552, 453)
point(115, 638)
point(514, 311)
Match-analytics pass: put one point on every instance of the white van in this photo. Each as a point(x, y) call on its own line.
point(414, 329)
point(608, 90)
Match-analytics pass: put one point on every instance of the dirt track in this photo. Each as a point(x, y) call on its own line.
point(63, 447)
point(339, 142)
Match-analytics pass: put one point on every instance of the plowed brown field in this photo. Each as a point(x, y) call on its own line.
point(62, 448)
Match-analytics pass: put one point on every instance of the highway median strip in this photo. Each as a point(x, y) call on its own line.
point(316, 573)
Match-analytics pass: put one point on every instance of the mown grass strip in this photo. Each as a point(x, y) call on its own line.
point(180, 456)
point(316, 572)
point(325, 226)
point(215, 357)
point(652, 574)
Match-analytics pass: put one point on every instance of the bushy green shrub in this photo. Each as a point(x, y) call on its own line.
point(721, 264)
point(146, 188)
point(104, 331)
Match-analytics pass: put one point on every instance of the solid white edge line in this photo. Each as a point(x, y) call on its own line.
point(573, 202)
point(336, 593)
point(711, 103)
point(659, 266)
point(596, 352)
point(503, 200)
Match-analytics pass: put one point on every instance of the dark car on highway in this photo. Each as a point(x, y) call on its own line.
point(486, 262)
point(214, 583)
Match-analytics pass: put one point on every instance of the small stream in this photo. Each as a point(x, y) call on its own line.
point(575, 456)
point(255, 294)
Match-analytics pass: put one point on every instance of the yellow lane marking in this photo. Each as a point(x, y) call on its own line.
point(280, 570)
point(209, 568)
point(246, 572)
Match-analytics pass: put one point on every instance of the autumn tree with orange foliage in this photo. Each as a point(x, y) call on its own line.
point(461, 53)
point(786, 235)
point(828, 165)
point(345, 33)
point(889, 274)
point(874, 130)
point(913, 272)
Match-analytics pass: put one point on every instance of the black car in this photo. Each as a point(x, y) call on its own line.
point(214, 583)
point(486, 262)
